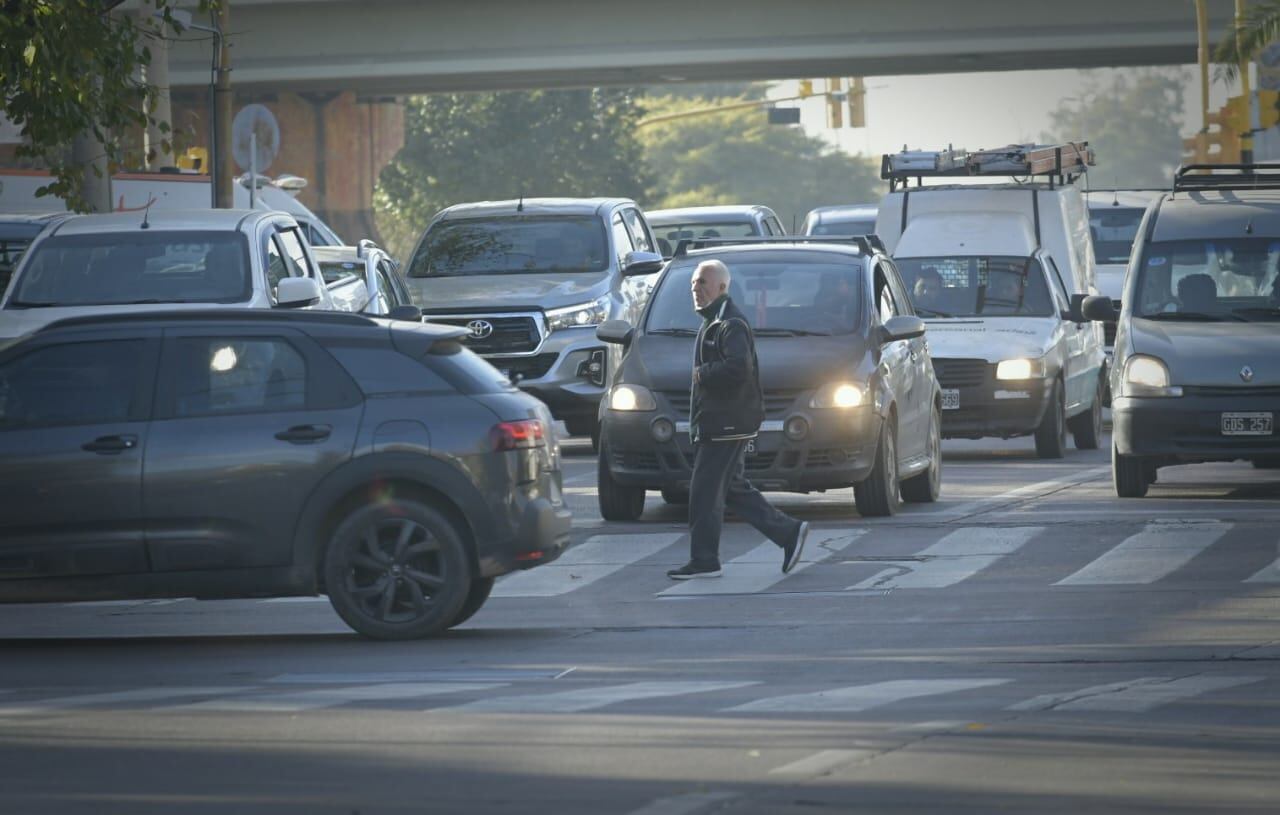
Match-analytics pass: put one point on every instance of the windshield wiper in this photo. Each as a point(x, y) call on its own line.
point(932, 312)
point(789, 332)
point(673, 332)
point(1199, 316)
point(1261, 311)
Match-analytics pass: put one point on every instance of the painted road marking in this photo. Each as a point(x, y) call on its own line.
point(575, 701)
point(861, 697)
point(956, 557)
point(597, 557)
point(1161, 548)
point(761, 568)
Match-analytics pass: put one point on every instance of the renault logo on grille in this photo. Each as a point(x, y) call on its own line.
point(479, 329)
point(1246, 373)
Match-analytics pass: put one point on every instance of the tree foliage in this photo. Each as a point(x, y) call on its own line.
point(1258, 28)
point(736, 157)
point(71, 66)
point(1131, 120)
point(485, 146)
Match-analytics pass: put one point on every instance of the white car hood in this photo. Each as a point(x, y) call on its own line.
point(992, 339)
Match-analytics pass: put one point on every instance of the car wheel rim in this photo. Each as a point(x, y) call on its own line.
point(891, 464)
point(395, 571)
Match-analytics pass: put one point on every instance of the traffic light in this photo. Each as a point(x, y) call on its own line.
point(806, 88)
point(857, 103)
point(835, 110)
point(1268, 109)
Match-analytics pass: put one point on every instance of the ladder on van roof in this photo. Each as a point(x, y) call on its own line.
point(1059, 163)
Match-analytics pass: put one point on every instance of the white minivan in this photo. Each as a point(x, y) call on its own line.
point(998, 271)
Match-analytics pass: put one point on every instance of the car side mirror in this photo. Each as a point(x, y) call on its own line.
point(1074, 313)
point(641, 263)
point(297, 292)
point(902, 327)
point(407, 312)
point(615, 332)
point(1098, 309)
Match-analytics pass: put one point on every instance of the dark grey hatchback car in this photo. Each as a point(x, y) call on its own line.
point(217, 454)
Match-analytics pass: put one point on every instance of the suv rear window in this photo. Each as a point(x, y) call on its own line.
point(512, 245)
point(117, 268)
point(1113, 230)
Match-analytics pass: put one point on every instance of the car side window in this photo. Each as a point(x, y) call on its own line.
point(621, 238)
point(899, 289)
point(291, 242)
point(640, 236)
point(1055, 283)
point(218, 375)
point(777, 225)
point(885, 305)
point(766, 228)
point(387, 289)
point(277, 266)
point(72, 384)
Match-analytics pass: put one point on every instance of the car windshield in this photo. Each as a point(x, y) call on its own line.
point(512, 245)
point(11, 250)
point(336, 271)
point(670, 235)
point(857, 226)
point(1113, 230)
point(976, 286)
point(117, 268)
point(791, 295)
point(1217, 279)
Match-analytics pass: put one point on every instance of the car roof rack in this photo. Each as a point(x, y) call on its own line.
point(1246, 177)
point(866, 244)
point(1060, 163)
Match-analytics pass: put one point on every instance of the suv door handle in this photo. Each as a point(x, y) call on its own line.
point(110, 445)
point(305, 433)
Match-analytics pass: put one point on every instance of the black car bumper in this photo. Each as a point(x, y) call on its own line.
point(1191, 427)
point(838, 450)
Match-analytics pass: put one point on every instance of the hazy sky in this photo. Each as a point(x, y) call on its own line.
point(972, 111)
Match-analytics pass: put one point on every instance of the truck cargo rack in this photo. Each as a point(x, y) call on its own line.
point(866, 244)
point(1060, 163)
point(1190, 177)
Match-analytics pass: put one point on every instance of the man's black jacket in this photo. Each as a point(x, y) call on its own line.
point(726, 402)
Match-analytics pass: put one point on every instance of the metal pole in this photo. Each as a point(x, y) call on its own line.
point(1246, 138)
point(224, 195)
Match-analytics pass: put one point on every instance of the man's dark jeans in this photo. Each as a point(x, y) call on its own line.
point(718, 481)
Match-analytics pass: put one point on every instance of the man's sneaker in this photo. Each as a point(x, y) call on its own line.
point(791, 552)
point(690, 571)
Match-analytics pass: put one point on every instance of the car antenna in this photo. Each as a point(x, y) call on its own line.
point(1115, 194)
point(146, 213)
point(520, 204)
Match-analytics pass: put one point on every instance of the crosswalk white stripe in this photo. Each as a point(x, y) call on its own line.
point(597, 557)
point(574, 701)
point(1162, 547)
point(1268, 574)
point(1135, 696)
point(761, 568)
point(113, 698)
point(691, 804)
point(332, 697)
point(821, 762)
point(861, 697)
point(957, 556)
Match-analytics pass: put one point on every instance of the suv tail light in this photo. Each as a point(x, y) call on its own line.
point(521, 435)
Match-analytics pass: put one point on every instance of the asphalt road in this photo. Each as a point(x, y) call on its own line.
point(1028, 644)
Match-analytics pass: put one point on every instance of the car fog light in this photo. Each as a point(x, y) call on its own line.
point(796, 428)
point(663, 430)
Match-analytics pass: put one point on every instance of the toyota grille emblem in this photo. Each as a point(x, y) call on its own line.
point(1246, 373)
point(479, 329)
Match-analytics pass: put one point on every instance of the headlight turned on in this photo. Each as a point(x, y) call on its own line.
point(1014, 369)
point(1147, 376)
point(631, 398)
point(838, 395)
point(585, 314)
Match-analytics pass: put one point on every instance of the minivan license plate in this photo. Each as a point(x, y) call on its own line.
point(1246, 424)
point(950, 398)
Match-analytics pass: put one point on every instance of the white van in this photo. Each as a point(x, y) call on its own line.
point(998, 271)
point(134, 192)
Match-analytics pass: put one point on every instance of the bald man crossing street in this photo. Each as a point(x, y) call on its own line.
point(727, 407)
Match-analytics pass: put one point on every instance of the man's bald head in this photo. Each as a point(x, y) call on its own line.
point(710, 280)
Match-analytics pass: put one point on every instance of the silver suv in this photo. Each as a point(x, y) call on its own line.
point(530, 280)
point(1196, 375)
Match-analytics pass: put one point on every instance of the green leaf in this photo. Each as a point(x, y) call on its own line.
point(29, 54)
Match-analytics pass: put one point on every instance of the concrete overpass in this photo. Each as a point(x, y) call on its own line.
point(377, 47)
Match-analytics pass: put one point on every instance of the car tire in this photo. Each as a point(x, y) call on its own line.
point(927, 486)
point(397, 570)
point(1051, 435)
point(476, 596)
point(1128, 474)
point(618, 502)
point(675, 496)
point(588, 426)
point(1152, 470)
point(1086, 429)
point(879, 496)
